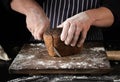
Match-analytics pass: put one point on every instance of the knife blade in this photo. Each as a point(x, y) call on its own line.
point(57, 53)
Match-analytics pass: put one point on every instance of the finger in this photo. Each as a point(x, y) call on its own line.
point(65, 31)
point(31, 31)
point(70, 35)
point(35, 33)
point(60, 26)
point(76, 37)
point(82, 38)
point(40, 32)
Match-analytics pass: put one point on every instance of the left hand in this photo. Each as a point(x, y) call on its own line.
point(75, 29)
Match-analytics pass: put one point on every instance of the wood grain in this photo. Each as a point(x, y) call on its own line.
point(113, 55)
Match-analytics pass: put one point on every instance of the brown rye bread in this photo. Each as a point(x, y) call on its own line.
point(52, 40)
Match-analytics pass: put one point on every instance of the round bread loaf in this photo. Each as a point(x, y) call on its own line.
point(52, 40)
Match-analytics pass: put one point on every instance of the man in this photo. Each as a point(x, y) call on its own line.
point(76, 17)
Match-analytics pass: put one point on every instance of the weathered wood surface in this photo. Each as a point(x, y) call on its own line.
point(67, 78)
point(34, 59)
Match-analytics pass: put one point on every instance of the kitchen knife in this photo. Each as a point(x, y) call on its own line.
point(57, 53)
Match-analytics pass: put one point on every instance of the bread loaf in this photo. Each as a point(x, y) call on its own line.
point(52, 40)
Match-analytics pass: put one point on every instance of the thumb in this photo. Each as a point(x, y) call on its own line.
point(60, 26)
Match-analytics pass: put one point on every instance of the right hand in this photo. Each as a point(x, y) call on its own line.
point(37, 24)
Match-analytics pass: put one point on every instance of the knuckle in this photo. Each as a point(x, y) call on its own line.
point(47, 23)
point(67, 20)
point(69, 32)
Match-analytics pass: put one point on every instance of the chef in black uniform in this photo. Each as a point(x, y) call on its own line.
point(21, 18)
point(76, 17)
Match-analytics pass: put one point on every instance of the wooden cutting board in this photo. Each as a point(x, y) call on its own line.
point(34, 59)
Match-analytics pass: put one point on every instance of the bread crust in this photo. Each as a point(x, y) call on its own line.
point(52, 40)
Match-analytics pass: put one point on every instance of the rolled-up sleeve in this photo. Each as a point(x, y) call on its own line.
point(114, 7)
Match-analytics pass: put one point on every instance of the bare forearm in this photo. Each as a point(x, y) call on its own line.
point(102, 17)
point(26, 7)
point(36, 20)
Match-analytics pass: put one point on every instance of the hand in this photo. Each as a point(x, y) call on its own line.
point(75, 29)
point(37, 24)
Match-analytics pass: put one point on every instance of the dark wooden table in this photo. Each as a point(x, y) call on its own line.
point(113, 76)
